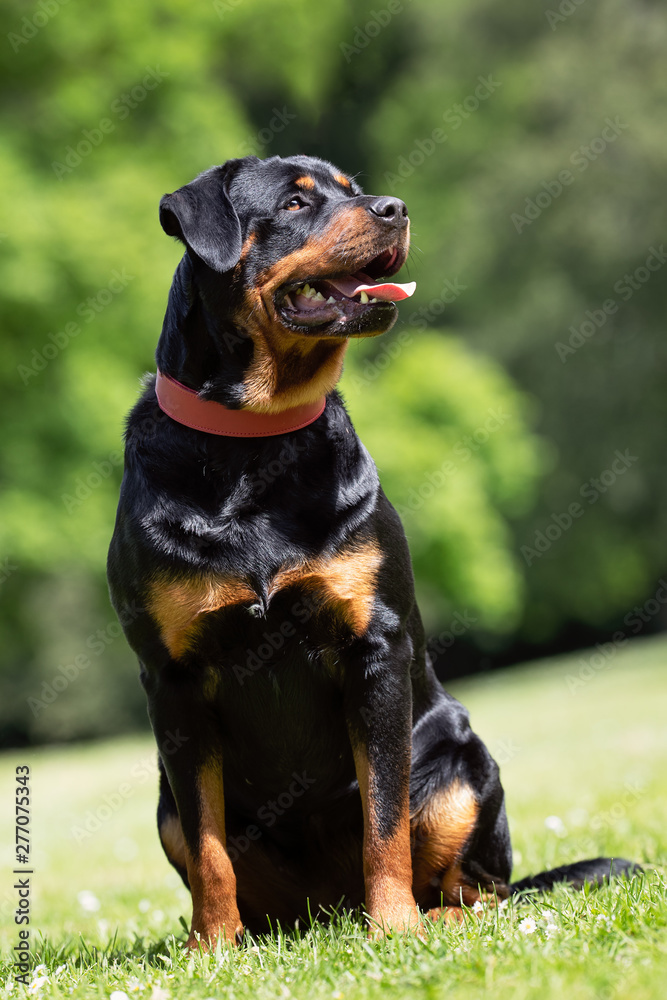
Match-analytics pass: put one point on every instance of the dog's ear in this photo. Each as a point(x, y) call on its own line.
point(203, 217)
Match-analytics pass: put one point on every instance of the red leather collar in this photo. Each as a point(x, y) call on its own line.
point(185, 406)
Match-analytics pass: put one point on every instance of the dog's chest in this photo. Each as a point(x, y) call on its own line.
point(338, 590)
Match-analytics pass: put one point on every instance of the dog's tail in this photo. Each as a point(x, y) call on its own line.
point(596, 871)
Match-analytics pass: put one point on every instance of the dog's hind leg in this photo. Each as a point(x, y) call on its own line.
point(169, 826)
point(460, 838)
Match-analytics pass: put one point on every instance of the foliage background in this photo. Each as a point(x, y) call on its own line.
point(366, 87)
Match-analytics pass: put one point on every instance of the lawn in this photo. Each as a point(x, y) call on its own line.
point(582, 743)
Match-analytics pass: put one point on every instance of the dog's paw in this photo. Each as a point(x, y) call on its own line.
point(206, 938)
point(396, 919)
point(448, 914)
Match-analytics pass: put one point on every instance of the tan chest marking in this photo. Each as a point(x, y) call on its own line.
point(176, 605)
point(345, 581)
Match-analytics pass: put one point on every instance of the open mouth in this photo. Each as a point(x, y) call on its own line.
point(351, 300)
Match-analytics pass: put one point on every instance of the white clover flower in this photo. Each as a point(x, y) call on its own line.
point(37, 984)
point(118, 995)
point(555, 824)
point(88, 901)
point(528, 926)
point(551, 930)
point(477, 906)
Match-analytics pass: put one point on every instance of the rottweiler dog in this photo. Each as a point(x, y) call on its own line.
point(308, 754)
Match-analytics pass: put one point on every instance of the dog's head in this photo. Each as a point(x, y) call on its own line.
point(295, 251)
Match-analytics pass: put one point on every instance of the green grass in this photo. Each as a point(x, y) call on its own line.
point(593, 759)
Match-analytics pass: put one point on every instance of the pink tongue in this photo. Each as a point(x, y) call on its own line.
point(390, 291)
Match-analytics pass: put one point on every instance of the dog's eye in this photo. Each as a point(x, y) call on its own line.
point(295, 203)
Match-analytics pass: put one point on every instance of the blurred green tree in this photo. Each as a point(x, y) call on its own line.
point(469, 112)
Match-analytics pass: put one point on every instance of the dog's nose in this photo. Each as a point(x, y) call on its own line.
point(390, 210)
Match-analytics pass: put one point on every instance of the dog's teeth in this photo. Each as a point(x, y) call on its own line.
point(299, 291)
point(288, 302)
point(363, 298)
point(318, 297)
point(331, 299)
point(375, 300)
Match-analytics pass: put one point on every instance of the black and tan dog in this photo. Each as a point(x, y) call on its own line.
point(308, 754)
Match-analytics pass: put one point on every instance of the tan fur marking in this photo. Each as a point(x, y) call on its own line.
point(342, 180)
point(247, 245)
point(387, 861)
point(176, 605)
point(173, 842)
point(305, 182)
point(210, 873)
point(456, 888)
point(349, 237)
point(442, 828)
point(287, 368)
point(448, 914)
point(348, 579)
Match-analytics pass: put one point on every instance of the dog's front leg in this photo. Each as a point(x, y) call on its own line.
point(379, 719)
point(194, 769)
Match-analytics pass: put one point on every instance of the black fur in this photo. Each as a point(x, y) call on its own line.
point(595, 871)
